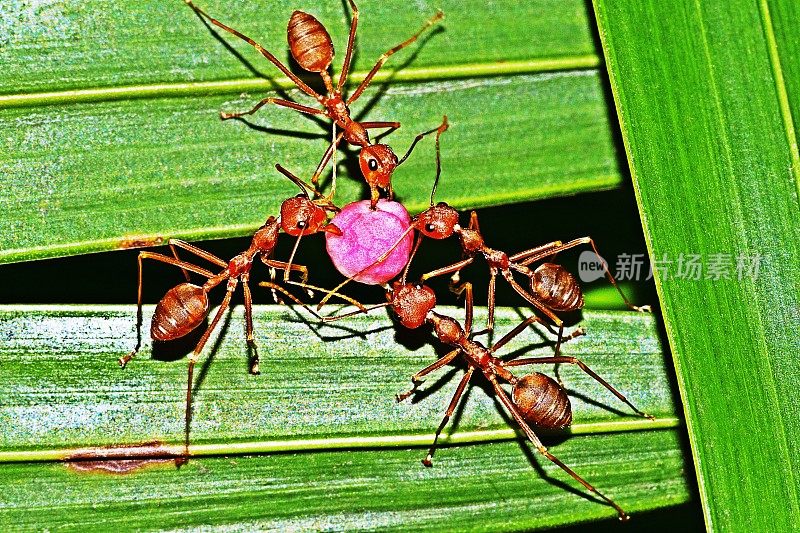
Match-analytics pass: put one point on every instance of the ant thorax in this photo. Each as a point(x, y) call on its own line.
point(266, 237)
point(496, 258)
point(240, 264)
point(447, 329)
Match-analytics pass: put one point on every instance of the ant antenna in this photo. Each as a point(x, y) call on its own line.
point(441, 129)
point(305, 188)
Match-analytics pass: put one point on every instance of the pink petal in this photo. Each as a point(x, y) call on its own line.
point(366, 236)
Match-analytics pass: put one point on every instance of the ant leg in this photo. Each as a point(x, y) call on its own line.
point(349, 54)
point(522, 326)
point(164, 259)
point(277, 101)
point(512, 408)
point(364, 84)
point(375, 125)
point(466, 287)
point(289, 266)
point(274, 60)
point(175, 255)
point(333, 163)
point(286, 267)
point(208, 256)
point(455, 267)
point(326, 157)
point(491, 298)
point(582, 365)
point(195, 356)
point(417, 242)
point(609, 276)
point(248, 324)
point(519, 328)
point(533, 251)
point(354, 313)
point(428, 461)
point(473, 222)
point(310, 288)
point(289, 295)
point(531, 299)
point(417, 380)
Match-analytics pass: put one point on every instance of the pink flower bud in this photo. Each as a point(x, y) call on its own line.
point(366, 236)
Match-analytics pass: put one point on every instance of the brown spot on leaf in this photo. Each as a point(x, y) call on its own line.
point(140, 242)
point(124, 459)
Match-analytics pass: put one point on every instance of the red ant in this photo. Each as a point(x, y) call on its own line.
point(312, 48)
point(552, 287)
point(536, 398)
point(184, 307)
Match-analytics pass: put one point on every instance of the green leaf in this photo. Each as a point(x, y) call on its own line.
point(85, 45)
point(334, 400)
point(125, 148)
point(703, 92)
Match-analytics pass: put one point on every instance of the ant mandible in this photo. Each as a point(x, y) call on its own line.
point(184, 307)
point(552, 288)
point(536, 398)
point(311, 46)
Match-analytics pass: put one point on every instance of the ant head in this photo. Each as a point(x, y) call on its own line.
point(533, 392)
point(437, 222)
point(265, 237)
point(301, 215)
point(309, 42)
point(377, 162)
point(411, 303)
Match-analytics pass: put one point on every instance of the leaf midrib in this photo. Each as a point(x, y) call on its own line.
point(780, 89)
point(233, 86)
point(349, 443)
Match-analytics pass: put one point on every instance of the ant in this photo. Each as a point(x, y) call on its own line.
point(552, 287)
point(312, 48)
point(184, 307)
point(536, 399)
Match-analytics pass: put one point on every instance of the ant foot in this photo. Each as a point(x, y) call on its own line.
point(487, 331)
point(403, 396)
point(125, 359)
point(643, 308)
point(428, 461)
point(578, 332)
point(255, 369)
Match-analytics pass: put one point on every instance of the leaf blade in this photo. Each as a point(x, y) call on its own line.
point(60, 371)
point(712, 63)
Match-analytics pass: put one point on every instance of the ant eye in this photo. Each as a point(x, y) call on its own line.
point(372, 164)
point(302, 224)
point(429, 228)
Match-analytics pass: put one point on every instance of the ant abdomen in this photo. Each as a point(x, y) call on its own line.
point(557, 288)
point(182, 309)
point(309, 41)
point(542, 402)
